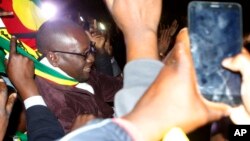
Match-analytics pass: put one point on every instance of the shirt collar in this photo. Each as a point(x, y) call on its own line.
point(84, 86)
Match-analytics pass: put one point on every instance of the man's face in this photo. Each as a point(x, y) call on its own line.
point(75, 57)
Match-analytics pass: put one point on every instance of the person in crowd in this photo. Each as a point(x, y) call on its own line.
point(105, 61)
point(99, 38)
point(66, 48)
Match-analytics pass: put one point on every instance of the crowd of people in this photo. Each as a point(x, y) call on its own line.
point(154, 97)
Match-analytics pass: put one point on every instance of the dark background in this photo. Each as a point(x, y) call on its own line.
point(172, 9)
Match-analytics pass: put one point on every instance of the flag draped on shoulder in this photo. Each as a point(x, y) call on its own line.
point(26, 20)
point(40, 69)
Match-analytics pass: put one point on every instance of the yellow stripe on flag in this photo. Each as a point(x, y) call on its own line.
point(55, 79)
point(29, 14)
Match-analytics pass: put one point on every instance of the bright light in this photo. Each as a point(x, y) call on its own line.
point(102, 26)
point(81, 18)
point(49, 10)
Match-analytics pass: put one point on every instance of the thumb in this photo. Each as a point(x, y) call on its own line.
point(232, 63)
point(238, 63)
point(10, 102)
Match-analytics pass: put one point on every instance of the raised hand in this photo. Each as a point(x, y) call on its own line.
point(20, 71)
point(173, 100)
point(98, 39)
point(139, 25)
point(142, 14)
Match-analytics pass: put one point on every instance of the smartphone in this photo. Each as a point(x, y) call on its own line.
point(215, 31)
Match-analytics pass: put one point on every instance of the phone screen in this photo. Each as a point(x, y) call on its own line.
point(215, 30)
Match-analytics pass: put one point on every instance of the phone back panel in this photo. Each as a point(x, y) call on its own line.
point(215, 30)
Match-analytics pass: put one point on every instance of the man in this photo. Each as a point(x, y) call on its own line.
point(66, 49)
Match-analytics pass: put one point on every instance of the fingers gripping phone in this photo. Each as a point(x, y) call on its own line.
point(215, 30)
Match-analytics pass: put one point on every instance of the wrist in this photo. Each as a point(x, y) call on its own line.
point(33, 101)
point(29, 91)
point(139, 33)
point(141, 45)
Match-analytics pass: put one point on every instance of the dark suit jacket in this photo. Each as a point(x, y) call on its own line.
point(42, 125)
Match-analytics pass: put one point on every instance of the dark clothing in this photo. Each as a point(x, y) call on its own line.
point(42, 125)
point(103, 64)
point(67, 102)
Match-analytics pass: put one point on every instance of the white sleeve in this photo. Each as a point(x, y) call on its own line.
point(34, 100)
point(138, 76)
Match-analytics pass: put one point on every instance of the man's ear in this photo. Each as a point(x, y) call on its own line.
point(52, 58)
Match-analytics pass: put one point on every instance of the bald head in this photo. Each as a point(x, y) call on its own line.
point(57, 35)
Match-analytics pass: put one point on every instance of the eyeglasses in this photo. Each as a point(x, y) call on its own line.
point(91, 50)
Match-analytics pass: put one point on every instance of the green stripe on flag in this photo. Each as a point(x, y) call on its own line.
point(2, 65)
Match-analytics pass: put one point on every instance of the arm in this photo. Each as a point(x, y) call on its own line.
point(192, 110)
point(139, 28)
point(134, 87)
point(41, 123)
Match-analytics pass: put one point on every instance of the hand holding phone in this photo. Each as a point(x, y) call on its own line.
point(215, 30)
